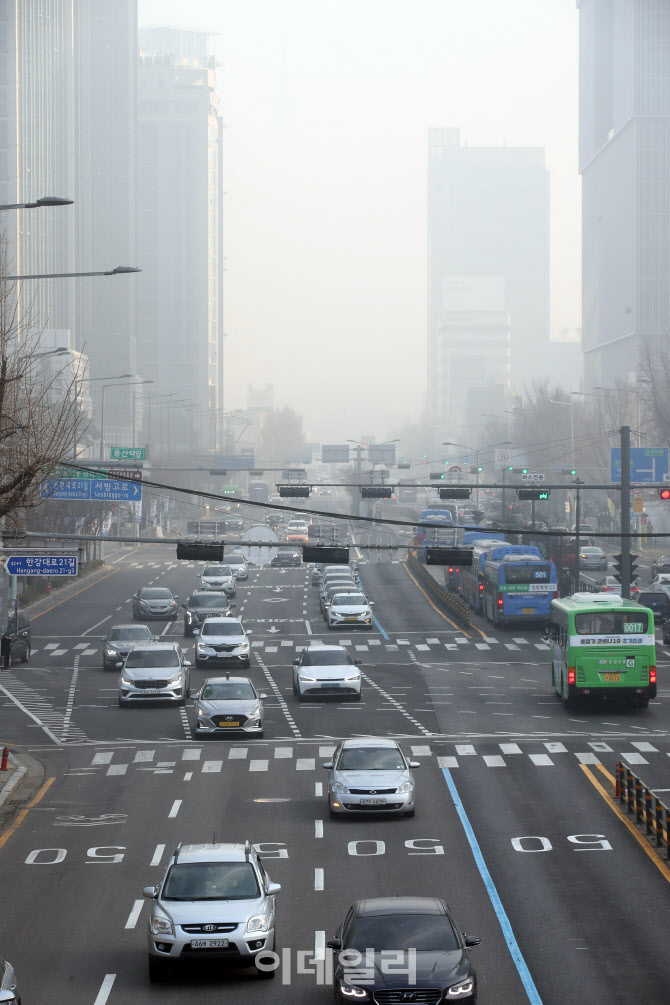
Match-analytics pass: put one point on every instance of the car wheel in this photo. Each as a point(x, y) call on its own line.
point(122, 703)
point(266, 974)
point(642, 703)
point(157, 970)
point(26, 654)
point(295, 689)
point(188, 632)
point(356, 697)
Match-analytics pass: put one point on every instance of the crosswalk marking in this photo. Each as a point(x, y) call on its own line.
point(238, 753)
point(541, 759)
point(103, 757)
point(556, 748)
point(587, 758)
point(144, 755)
point(510, 748)
point(448, 762)
point(209, 767)
point(465, 749)
point(632, 758)
point(482, 645)
point(260, 765)
point(191, 754)
point(305, 764)
point(117, 769)
point(494, 761)
point(283, 752)
point(644, 746)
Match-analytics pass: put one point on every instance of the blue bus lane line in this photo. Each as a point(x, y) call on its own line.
point(510, 938)
point(378, 626)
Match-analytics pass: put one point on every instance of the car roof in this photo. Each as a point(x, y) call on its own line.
point(116, 628)
point(330, 649)
point(371, 741)
point(216, 620)
point(233, 852)
point(153, 645)
point(208, 593)
point(227, 680)
point(400, 905)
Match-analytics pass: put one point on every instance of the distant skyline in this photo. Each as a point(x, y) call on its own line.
point(326, 106)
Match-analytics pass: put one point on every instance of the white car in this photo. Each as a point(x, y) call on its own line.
point(237, 563)
point(350, 609)
point(326, 670)
point(661, 581)
point(218, 577)
point(221, 641)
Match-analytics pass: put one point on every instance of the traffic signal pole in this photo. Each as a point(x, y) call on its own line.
point(625, 512)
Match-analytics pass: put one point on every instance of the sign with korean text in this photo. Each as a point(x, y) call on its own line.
point(127, 453)
point(41, 565)
point(647, 464)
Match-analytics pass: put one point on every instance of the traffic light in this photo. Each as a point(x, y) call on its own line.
point(377, 491)
point(295, 491)
point(454, 493)
point(568, 471)
point(664, 493)
point(448, 556)
point(541, 494)
point(632, 568)
point(436, 475)
point(196, 552)
point(327, 556)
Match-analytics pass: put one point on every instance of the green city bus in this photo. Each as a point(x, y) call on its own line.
point(602, 647)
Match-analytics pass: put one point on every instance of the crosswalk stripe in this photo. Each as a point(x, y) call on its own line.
point(541, 759)
point(191, 754)
point(117, 769)
point(494, 761)
point(448, 762)
point(238, 753)
point(208, 767)
point(259, 765)
point(644, 746)
point(305, 764)
point(632, 758)
point(510, 748)
point(144, 755)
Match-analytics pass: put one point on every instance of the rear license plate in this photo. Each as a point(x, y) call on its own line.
point(209, 944)
point(330, 685)
point(529, 610)
point(373, 802)
point(612, 678)
point(229, 723)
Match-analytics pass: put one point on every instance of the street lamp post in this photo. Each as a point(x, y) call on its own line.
point(102, 409)
point(135, 404)
point(477, 452)
point(120, 270)
point(44, 203)
point(88, 380)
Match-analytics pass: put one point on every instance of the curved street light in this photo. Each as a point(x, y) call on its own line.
point(44, 203)
point(120, 270)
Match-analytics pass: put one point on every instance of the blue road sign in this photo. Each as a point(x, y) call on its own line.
point(110, 490)
point(66, 488)
point(647, 464)
point(41, 565)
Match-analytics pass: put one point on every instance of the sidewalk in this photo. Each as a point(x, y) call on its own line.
point(11, 780)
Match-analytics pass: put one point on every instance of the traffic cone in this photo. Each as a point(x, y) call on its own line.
point(48, 586)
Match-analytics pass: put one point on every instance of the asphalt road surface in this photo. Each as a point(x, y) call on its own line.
point(510, 827)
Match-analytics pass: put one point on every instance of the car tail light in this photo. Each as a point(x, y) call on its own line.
point(481, 587)
point(571, 675)
point(500, 600)
point(555, 594)
point(451, 570)
point(652, 675)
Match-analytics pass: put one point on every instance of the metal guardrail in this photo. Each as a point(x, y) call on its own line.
point(450, 602)
point(644, 803)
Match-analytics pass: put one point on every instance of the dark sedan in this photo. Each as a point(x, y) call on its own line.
point(286, 559)
point(435, 965)
point(204, 604)
point(155, 602)
point(119, 641)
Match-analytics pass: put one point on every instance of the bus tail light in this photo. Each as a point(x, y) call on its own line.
point(652, 675)
point(500, 600)
point(571, 675)
point(481, 587)
point(555, 594)
point(451, 570)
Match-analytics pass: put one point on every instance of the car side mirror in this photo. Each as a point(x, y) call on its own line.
point(8, 996)
point(232, 605)
point(273, 888)
point(183, 605)
point(371, 603)
point(471, 940)
point(118, 664)
point(193, 694)
point(103, 638)
point(187, 663)
point(262, 696)
point(334, 944)
point(296, 663)
point(328, 765)
point(150, 892)
point(415, 764)
point(358, 662)
point(196, 631)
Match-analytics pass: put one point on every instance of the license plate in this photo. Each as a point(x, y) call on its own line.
point(373, 802)
point(330, 685)
point(613, 678)
point(229, 723)
point(151, 690)
point(350, 619)
point(209, 944)
point(529, 610)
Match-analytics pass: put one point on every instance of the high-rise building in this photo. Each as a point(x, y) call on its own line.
point(67, 121)
point(624, 160)
point(488, 261)
point(179, 192)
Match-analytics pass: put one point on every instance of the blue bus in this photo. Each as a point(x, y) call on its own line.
point(472, 578)
point(519, 589)
point(438, 520)
point(468, 534)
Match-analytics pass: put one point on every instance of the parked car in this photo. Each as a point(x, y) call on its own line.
point(17, 640)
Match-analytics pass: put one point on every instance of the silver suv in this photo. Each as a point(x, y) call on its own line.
point(156, 671)
point(221, 641)
point(215, 901)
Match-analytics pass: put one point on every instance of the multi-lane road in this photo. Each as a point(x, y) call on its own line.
point(512, 826)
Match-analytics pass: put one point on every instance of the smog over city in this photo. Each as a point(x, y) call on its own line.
point(334, 501)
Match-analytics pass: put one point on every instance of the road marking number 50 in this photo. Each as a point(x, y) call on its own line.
point(584, 842)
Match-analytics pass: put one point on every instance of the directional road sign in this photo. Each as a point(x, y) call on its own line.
point(97, 489)
point(110, 490)
point(647, 464)
point(127, 453)
point(68, 488)
point(41, 565)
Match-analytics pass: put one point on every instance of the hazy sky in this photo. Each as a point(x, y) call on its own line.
point(326, 105)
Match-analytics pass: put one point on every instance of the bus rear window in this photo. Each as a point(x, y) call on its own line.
point(611, 623)
point(526, 574)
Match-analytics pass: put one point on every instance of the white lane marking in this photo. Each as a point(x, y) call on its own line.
point(103, 757)
point(134, 914)
point(210, 767)
point(465, 748)
point(541, 760)
point(318, 879)
point(305, 764)
point(258, 765)
point(283, 751)
point(70, 698)
point(633, 758)
point(319, 945)
point(238, 753)
point(188, 775)
point(175, 809)
point(158, 854)
point(318, 789)
point(105, 989)
point(96, 625)
point(510, 748)
point(308, 627)
point(318, 828)
point(167, 628)
point(447, 762)
point(144, 755)
point(82, 645)
point(117, 769)
point(494, 761)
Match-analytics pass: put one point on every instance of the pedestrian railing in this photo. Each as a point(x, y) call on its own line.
point(649, 809)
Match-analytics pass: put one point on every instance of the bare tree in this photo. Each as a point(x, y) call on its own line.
point(37, 406)
point(653, 391)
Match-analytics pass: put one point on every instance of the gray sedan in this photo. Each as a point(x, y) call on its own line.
point(370, 775)
point(120, 640)
point(228, 705)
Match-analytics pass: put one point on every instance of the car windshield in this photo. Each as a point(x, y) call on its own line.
point(208, 601)
point(211, 881)
point(222, 628)
point(227, 692)
point(349, 599)
point(216, 570)
point(325, 657)
point(234, 560)
point(129, 634)
point(370, 759)
point(155, 593)
point(591, 551)
point(611, 623)
point(425, 933)
point(148, 659)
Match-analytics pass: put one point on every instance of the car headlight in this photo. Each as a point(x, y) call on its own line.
point(405, 787)
point(175, 680)
point(338, 787)
point(355, 676)
point(259, 923)
point(202, 648)
point(351, 991)
point(160, 925)
point(110, 652)
point(311, 679)
point(127, 681)
point(465, 987)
